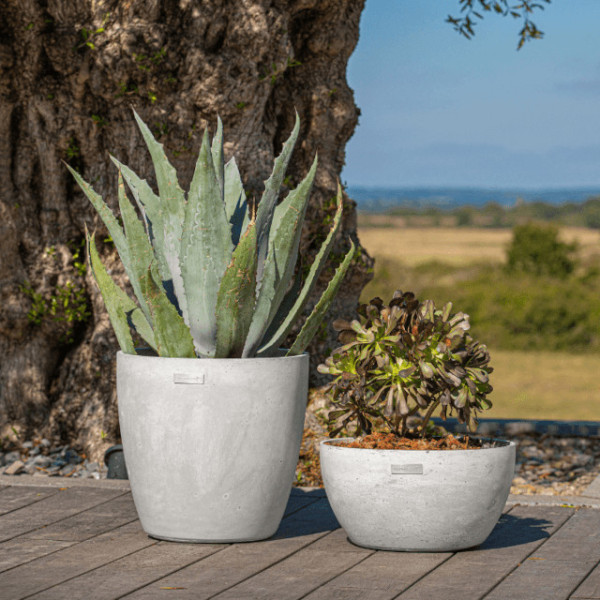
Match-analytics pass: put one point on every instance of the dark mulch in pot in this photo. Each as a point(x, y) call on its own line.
point(388, 441)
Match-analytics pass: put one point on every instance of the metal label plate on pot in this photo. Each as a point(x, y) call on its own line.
point(185, 378)
point(414, 469)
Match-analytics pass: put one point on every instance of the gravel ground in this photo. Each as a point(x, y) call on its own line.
point(549, 465)
point(546, 464)
point(40, 458)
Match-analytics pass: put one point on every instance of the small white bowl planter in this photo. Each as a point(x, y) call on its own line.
point(417, 500)
point(211, 445)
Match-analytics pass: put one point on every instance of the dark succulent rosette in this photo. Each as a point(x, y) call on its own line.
point(402, 361)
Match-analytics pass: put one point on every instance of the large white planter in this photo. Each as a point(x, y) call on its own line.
point(417, 500)
point(211, 445)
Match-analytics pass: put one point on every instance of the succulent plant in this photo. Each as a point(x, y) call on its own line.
point(212, 278)
point(402, 360)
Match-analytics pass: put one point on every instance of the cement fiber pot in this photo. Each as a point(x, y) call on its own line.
point(211, 445)
point(417, 500)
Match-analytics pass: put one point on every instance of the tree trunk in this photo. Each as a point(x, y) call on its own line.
point(69, 73)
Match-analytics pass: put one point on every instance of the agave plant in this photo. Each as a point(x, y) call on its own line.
point(212, 278)
point(403, 359)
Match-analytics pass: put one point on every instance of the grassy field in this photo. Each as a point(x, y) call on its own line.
point(454, 245)
point(546, 385)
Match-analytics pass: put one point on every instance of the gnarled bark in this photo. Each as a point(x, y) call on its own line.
point(69, 73)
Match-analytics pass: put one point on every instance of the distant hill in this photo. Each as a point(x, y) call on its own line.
point(372, 199)
point(575, 208)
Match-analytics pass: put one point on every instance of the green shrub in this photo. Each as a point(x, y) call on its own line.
point(590, 212)
point(519, 311)
point(536, 249)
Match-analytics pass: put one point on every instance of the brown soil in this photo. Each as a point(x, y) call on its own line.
point(388, 441)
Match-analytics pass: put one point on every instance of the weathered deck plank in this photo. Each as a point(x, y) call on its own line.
point(143, 567)
point(302, 572)
point(589, 589)
point(19, 551)
point(559, 565)
point(239, 562)
point(79, 527)
point(471, 574)
point(43, 573)
point(86, 542)
point(131, 572)
point(89, 523)
point(12, 498)
point(382, 576)
point(55, 507)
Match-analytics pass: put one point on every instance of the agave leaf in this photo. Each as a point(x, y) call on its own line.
point(149, 204)
point(137, 320)
point(217, 155)
point(266, 206)
point(172, 336)
point(172, 202)
point(120, 307)
point(171, 194)
point(236, 298)
point(134, 182)
point(140, 250)
point(282, 208)
point(288, 321)
point(285, 307)
point(106, 214)
point(112, 300)
point(206, 250)
point(236, 207)
point(280, 261)
point(116, 232)
point(314, 320)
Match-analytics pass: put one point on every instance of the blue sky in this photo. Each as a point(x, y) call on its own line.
point(439, 110)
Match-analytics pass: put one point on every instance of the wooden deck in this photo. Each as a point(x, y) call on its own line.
point(70, 540)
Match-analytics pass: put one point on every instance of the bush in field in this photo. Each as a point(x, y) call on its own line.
point(511, 310)
point(590, 212)
point(466, 216)
point(544, 303)
point(518, 311)
point(536, 249)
